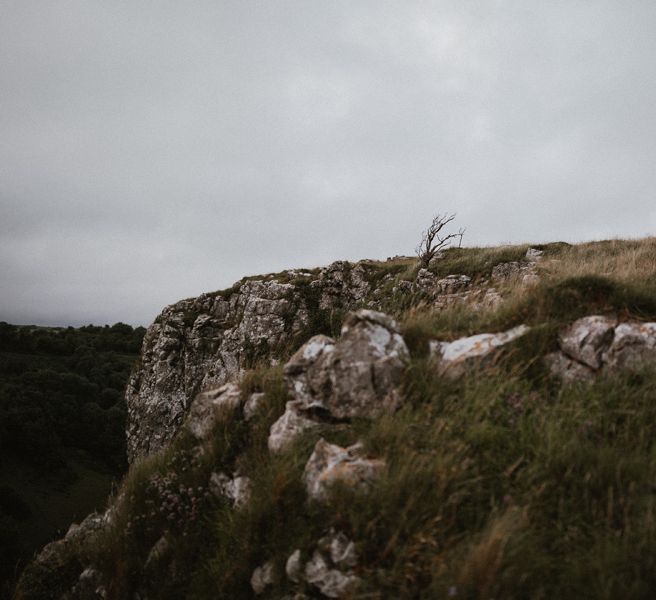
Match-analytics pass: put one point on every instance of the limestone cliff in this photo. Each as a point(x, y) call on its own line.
point(203, 342)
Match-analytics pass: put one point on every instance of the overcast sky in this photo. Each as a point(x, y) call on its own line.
point(151, 151)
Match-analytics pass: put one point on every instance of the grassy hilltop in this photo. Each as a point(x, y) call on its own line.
point(503, 483)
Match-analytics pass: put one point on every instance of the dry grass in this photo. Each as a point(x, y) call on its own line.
point(624, 260)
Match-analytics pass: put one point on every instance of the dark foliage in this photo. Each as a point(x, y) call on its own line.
point(61, 391)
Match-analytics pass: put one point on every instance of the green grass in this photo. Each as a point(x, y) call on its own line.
point(494, 488)
point(476, 262)
point(502, 484)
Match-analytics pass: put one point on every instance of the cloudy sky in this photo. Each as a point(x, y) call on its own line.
point(153, 150)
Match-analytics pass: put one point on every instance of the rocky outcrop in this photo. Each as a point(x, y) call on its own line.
point(330, 464)
point(202, 343)
point(525, 272)
point(454, 358)
point(586, 340)
point(357, 376)
point(596, 344)
point(331, 567)
point(205, 342)
point(57, 568)
point(332, 381)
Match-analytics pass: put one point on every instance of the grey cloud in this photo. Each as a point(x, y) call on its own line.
point(153, 151)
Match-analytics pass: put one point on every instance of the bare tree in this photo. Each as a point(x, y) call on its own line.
point(433, 240)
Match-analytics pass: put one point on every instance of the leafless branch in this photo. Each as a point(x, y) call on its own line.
point(433, 240)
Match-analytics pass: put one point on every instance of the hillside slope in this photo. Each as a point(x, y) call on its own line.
point(482, 429)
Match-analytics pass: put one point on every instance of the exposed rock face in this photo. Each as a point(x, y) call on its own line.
point(204, 342)
point(479, 298)
point(425, 281)
point(453, 284)
point(524, 271)
point(454, 358)
point(207, 405)
point(357, 376)
point(506, 270)
point(597, 343)
point(330, 464)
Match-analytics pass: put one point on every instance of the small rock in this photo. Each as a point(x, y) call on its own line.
point(330, 463)
point(331, 582)
point(263, 577)
point(289, 426)
point(425, 280)
point(342, 550)
point(204, 409)
point(453, 284)
point(89, 586)
point(506, 270)
point(236, 489)
point(534, 255)
point(252, 404)
point(294, 567)
point(526, 272)
point(158, 552)
point(587, 339)
point(402, 287)
point(453, 358)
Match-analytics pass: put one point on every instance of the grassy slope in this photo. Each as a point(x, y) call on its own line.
point(500, 485)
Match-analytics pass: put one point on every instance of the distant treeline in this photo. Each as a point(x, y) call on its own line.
point(61, 392)
point(63, 388)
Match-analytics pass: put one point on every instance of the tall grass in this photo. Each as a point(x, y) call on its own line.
point(498, 485)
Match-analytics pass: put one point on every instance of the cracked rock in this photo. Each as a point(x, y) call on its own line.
point(454, 358)
point(330, 568)
point(596, 344)
point(357, 376)
point(330, 464)
point(587, 339)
